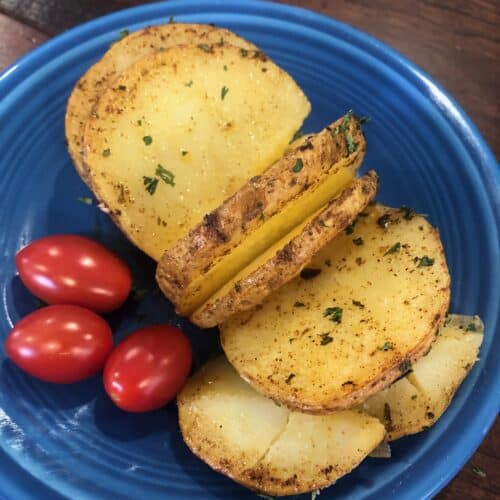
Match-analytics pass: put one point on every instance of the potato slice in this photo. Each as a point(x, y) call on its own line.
point(320, 345)
point(181, 130)
point(418, 400)
point(288, 257)
point(266, 208)
point(119, 57)
point(266, 447)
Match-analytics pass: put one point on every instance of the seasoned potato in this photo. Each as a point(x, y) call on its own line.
point(120, 56)
point(264, 446)
point(266, 208)
point(371, 306)
point(415, 402)
point(183, 129)
point(288, 257)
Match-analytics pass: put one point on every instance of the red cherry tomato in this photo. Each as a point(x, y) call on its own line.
point(61, 343)
point(148, 368)
point(69, 269)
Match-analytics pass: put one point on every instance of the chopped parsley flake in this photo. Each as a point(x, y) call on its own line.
point(395, 248)
point(386, 347)
point(357, 303)
point(123, 34)
point(363, 119)
point(299, 304)
point(405, 366)
point(425, 261)
point(408, 213)
point(85, 199)
point(188, 84)
point(296, 136)
point(358, 241)
point(471, 327)
point(299, 164)
point(351, 145)
point(184, 152)
point(151, 183)
point(325, 338)
point(205, 47)
point(106, 152)
point(350, 228)
point(147, 140)
point(165, 175)
point(171, 19)
point(225, 67)
point(244, 52)
point(139, 122)
point(223, 92)
point(477, 471)
point(334, 313)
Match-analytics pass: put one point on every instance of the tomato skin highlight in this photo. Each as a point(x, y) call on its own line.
point(71, 269)
point(147, 369)
point(60, 343)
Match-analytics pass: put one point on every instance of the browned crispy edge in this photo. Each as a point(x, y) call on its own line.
point(225, 227)
point(289, 261)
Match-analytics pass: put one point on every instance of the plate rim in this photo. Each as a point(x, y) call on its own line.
point(462, 125)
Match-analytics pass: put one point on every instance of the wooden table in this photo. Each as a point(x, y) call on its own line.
point(455, 41)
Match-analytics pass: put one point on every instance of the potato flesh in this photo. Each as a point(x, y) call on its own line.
point(263, 210)
point(248, 437)
point(384, 297)
point(211, 144)
point(418, 400)
point(271, 270)
point(119, 57)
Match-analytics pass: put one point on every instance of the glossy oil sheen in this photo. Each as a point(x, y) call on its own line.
point(72, 442)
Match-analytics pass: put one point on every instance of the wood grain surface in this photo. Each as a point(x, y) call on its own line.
point(456, 41)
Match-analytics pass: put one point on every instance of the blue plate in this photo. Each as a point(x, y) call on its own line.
point(71, 442)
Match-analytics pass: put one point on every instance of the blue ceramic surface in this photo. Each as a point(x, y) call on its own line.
point(70, 441)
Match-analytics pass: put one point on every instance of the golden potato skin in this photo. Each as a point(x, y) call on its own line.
point(287, 258)
point(417, 401)
point(119, 57)
point(265, 209)
point(355, 327)
point(263, 446)
point(183, 129)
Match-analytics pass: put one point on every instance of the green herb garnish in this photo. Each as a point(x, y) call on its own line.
point(299, 304)
point(106, 152)
point(357, 303)
point(188, 84)
point(244, 52)
point(299, 164)
point(296, 136)
point(223, 92)
point(184, 152)
point(147, 140)
point(351, 145)
point(151, 183)
point(478, 472)
point(386, 347)
point(171, 19)
point(205, 47)
point(85, 200)
point(165, 175)
point(350, 228)
point(325, 338)
point(334, 313)
point(471, 327)
point(425, 261)
point(225, 67)
point(405, 366)
point(123, 34)
point(395, 248)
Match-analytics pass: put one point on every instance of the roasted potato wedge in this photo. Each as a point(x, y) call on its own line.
point(418, 400)
point(181, 130)
point(265, 209)
point(288, 257)
point(119, 57)
point(320, 345)
point(263, 446)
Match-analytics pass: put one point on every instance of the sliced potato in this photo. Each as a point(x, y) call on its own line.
point(264, 446)
point(120, 56)
point(183, 129)
point(288, 257)
point(266, 208)
point(418, 400)
point(377, 295)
